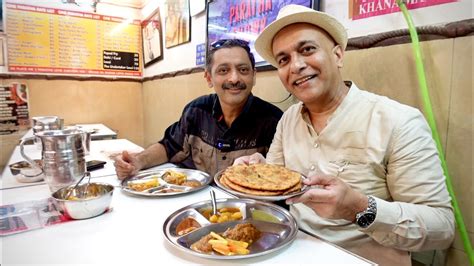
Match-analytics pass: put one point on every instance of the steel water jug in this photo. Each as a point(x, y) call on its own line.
point(62, 154)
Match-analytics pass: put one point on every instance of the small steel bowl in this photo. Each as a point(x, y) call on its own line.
point(85, 201)
point(15, 168)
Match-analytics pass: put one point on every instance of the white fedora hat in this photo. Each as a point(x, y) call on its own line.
point(291, 14)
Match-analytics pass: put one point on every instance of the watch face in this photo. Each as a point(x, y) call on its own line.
point(366, 219)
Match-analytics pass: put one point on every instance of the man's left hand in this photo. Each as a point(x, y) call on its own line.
point(332, 198)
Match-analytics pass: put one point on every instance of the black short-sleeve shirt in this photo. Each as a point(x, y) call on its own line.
point(202, 140)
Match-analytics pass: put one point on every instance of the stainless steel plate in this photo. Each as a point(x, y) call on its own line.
point(277, 225)
point(163, 190)
point(217, 177)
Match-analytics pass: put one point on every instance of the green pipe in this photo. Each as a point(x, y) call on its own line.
point(432, 122)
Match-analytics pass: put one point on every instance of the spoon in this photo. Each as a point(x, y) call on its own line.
point(77, 184)
point(213, 201)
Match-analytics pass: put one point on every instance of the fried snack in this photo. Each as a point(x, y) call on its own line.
point(234, 241)
point(202, 245)
point(191, 183)
point(174, 177)
point(143, 185)
point(261, 179)
point(246, 232)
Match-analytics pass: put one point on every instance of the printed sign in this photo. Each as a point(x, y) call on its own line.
point(200, 54)
point(50, 40)
point(13, 108)
point(359, 9)
point(243, 19)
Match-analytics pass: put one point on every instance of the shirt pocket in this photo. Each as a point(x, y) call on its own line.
point(352, 167)
point(203, 156)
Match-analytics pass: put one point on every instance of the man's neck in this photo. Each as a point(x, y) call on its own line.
point(319, 113)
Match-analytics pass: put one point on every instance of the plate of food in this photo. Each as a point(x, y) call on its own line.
point(266, 182)
point(166, 182)
point(243, 228)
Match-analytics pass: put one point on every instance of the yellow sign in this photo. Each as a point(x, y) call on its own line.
point(49, 40)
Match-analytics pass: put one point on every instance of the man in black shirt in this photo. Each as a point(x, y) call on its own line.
point(214, 129)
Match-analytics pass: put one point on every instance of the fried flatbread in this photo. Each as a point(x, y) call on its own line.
point(245, 190)
point(265, 177)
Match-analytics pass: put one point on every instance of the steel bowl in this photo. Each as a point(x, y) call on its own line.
point(85, 201)
point(15, 168)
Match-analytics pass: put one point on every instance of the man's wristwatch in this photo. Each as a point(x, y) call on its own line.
point(367, 217)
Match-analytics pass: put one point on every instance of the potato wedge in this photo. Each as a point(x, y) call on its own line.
point(237, 243)
point(238, 249)
point(216, 236)
point(218, 241)
point(222, 249)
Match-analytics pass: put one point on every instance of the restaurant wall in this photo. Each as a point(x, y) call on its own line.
point(164, 99)
point(448, 64)
point(116, 104)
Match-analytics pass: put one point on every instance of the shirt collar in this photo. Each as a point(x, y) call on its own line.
point(350, 97)
point(217, 110)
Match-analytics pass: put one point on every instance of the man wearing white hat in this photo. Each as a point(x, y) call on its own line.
point(380, 187)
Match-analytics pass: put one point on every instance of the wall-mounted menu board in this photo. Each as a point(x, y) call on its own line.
point(49, 40)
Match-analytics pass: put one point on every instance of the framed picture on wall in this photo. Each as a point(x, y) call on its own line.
point(2, 51)
point(152, 38)
point(177, 23)
point(230, 19)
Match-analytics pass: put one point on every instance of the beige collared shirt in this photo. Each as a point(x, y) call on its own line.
point(381, 148)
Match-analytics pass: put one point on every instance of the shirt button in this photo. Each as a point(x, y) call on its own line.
point(312, 167)
point(316, 145)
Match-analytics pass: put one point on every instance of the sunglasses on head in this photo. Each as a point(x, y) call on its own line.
point(229, 42)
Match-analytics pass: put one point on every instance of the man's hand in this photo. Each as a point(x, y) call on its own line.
point(332, 198)
point(126, 165)
point(250, 159)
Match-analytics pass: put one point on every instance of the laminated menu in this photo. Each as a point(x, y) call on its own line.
point(30, 215)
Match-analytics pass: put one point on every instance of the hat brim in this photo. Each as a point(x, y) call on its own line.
point(263, 43)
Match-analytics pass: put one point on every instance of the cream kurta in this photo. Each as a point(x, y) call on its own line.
point(381, 148)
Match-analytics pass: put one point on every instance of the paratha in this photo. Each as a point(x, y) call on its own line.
point(236, 187)
point(266, 177)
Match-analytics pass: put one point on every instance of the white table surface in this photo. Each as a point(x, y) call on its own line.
point(99, 150)
point(103, 132)
point(132, 234)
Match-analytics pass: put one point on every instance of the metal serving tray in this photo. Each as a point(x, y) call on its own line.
point(163, 189)
point(277, 225)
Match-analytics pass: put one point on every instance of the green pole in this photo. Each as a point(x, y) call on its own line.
point(432, 123)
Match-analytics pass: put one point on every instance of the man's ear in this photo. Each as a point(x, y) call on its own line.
point(339, 54)
point(207, 76)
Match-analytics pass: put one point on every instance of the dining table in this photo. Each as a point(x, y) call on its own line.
point(132, 231)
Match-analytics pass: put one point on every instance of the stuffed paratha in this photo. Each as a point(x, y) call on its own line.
point(266, 177)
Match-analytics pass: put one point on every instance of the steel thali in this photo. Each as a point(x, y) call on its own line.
point(163, 188)
point(278, 228)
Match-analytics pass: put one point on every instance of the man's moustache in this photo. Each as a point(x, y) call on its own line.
point(239, 85)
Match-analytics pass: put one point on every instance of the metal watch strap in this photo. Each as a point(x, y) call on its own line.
point(372, 204)
point(367, 217)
